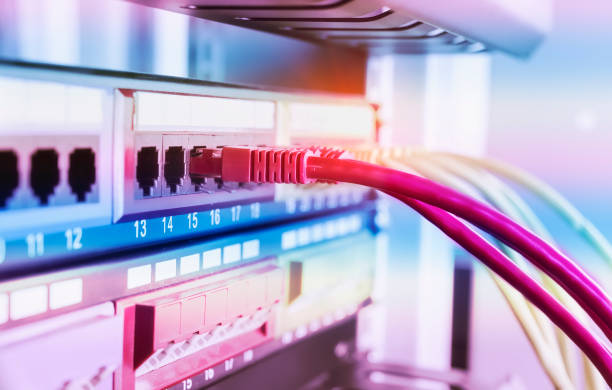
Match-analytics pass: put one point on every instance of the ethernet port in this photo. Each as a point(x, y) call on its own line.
point(9, 175)
point(44, 174)
point(174, 167)
point(147, 169)
point(82, 172)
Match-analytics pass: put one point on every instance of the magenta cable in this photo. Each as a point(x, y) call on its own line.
point(579, 285)
point(511, 273)
point(304, 165)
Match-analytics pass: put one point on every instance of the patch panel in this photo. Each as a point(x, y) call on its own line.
point(194, 325)
point(176, 319)
point(158, 132)
point(122, 152)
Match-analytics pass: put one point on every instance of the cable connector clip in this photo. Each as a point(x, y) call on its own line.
point(257, 165)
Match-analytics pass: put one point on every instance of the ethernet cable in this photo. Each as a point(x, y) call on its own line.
point(533, 322)
point(584, 289)
point(510, 203)
point(593, 380)
point(502, 199)
point(245, 164)
point(548, 194)
point(499, 263)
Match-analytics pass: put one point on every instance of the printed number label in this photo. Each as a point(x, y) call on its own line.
point(73, 238)
point(215, 217)
point(141, 228)
point(192, 220)
point(229, 364)
point(255, 210)
point(209, 374)
point(36, 244)
point(187, 384)
point(168, 226)
point(236, 213)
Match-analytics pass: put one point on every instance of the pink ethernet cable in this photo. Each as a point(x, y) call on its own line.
point(564, 271)
point(304, 165)
point(511, 273)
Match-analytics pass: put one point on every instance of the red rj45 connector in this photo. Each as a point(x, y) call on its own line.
point(257, 165)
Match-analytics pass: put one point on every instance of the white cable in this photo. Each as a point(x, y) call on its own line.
point(549, 195)
point(516, 208)
point(548, 355)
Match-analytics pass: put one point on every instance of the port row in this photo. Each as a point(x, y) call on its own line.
point(44, 175)
point(175, 175)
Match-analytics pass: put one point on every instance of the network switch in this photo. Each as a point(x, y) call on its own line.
point(157, 132)
point(88, 156)
point(96, 191)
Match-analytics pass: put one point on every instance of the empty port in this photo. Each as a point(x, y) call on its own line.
point(82, 172)
point(9, 175)
point(44, 174)
point(147, 169)
point(174, 167)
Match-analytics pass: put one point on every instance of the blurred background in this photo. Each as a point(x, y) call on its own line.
point(550, 114)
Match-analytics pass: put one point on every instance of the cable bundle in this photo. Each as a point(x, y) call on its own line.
point(468, 177)
point(436, 203)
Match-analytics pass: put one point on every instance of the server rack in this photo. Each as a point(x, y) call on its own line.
point(121, 270)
